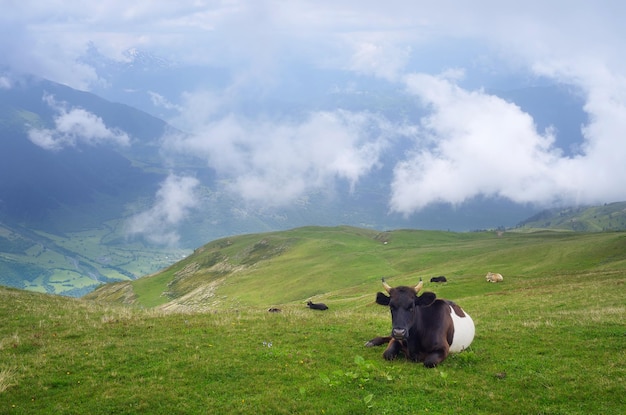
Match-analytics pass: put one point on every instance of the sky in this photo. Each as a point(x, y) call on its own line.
point(444, 55)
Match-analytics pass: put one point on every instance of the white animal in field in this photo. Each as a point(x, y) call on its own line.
point(494, 277)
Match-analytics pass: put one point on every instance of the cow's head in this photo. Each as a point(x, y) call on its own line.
point(404, 305)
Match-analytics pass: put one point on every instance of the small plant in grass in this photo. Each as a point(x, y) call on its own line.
point(444, 378)
point(363, 373)
point(270, 352)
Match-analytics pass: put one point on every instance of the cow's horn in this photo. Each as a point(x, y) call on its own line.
point(386, 286)
point(419, 286)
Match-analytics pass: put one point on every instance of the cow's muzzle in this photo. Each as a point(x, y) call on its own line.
point(399, 334)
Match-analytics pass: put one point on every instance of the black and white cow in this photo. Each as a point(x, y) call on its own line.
point(424, 328)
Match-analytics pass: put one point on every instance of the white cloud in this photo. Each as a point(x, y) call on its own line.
point(274, 162)
point(75, 126)
point(174, 202)
point(470, 144)
point(473, 143)
point(385, 61)
point(5, 82)
point(160, 101)
point(365, 34)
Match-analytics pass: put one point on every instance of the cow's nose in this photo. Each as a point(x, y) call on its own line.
point(399, 333)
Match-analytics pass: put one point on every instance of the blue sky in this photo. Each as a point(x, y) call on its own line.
point(446, 55)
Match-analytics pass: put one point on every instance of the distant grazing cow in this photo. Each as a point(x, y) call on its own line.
point(425, 328)
point(318, 306)
point(493, 277)
point(440, 278)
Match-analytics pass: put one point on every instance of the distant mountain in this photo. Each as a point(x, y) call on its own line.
point(608, 217)
point(40, 188)
point(62, 210)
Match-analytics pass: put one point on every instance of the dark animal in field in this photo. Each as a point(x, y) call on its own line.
point(318, 306)
point(440, 278)
point(425, 328)
point(274, 310)
point(494, 277)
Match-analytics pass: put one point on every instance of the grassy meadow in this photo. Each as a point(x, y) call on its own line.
point(551, 338)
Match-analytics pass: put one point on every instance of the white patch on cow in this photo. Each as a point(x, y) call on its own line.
point(463, 332)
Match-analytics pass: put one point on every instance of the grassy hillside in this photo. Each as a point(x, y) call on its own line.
point(608, 217)
point(263, 270)
point(550, 338)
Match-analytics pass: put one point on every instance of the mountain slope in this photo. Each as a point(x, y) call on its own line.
point(269, 269)
point(63, 210)
point(36, 184)
point(609, 217)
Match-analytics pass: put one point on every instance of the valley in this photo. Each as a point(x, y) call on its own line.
point(75, 263)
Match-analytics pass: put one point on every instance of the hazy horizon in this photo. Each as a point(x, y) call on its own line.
point(207, 60)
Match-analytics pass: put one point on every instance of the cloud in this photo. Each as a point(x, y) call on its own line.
point(175, 200)
point(74, 126)
point(50, 37)
point(5, 82)
point(473, 143)
point(385, 61)
point(273, 162)
point(160, 101)
point(470, 143)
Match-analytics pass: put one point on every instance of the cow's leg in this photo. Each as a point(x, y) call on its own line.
point(378, 341)
point(392, 349)
point(435, 357)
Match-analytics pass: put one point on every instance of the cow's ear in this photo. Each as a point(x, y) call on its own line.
point(425, 299)
point(382, 299)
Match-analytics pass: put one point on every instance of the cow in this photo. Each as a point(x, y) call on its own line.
point(440, 278)
point(493, 277)
point(318, 306)
point(424, 328)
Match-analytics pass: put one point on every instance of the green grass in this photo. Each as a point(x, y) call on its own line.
point(297, 265)
point(550, 338)
point(610, 216)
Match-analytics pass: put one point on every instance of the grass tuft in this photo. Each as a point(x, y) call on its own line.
point(8, 378)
